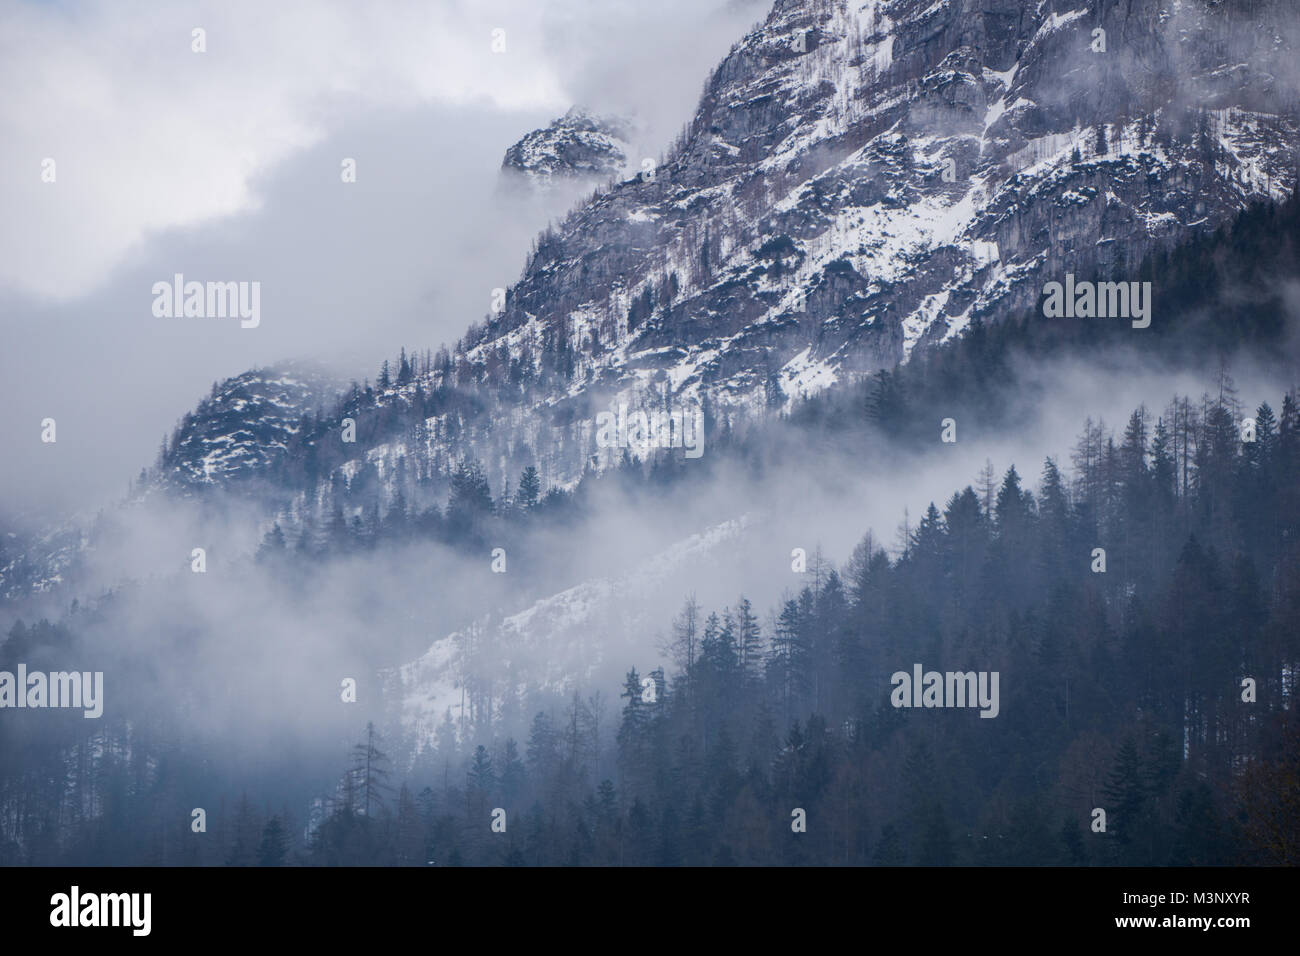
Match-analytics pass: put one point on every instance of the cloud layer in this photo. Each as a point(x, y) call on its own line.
point(226, 165)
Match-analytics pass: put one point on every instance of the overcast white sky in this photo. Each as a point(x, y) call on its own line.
point(225, 166)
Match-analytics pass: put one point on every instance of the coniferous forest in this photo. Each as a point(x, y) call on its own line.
point(1159, 690)
point(1157, 686)
point(981, 317)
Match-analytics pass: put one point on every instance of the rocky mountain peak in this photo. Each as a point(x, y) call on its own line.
point(580, 145)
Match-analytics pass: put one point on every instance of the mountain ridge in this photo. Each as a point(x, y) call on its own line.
point(801, 234)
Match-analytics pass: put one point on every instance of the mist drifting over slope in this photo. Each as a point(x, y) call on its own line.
point(323, 549)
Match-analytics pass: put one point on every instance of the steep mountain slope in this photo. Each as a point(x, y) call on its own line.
point(860, 180)
point(804, 229)
point(804, 225)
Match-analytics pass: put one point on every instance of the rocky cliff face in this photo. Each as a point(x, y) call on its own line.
point(806, 223)
point(860, 180)
point(863, 177)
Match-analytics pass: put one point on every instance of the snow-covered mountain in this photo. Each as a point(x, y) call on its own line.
point(578, 146)
point(805, 226)
point(861, 179)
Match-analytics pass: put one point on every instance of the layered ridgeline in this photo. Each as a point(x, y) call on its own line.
point(860, 180)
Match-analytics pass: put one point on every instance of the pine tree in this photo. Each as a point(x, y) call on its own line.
point(542, 752)
point(409, 836)
point(1087, 460)
point(1125, 794)
point(513, 775)
point(1012, 508)
point(272, 545)
point(369, 773)
point(788, 666)
point(929, 539)
point(749, 640)
point(273, 848)
point(530, 489)
point(481, 777)
point(889, 848)
point(471, 499)
point(245, 829)
point(1163, 466)
point(635, 718)
point(685, 641)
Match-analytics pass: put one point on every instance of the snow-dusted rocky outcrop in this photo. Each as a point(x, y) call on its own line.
point(580, 145)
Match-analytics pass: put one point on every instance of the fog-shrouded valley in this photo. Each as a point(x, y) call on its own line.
point(741, 433)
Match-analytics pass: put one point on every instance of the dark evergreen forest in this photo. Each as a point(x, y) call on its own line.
point(1121, 690)
point(1160, 689)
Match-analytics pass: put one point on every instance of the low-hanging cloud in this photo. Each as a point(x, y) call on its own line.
point(226, 166)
